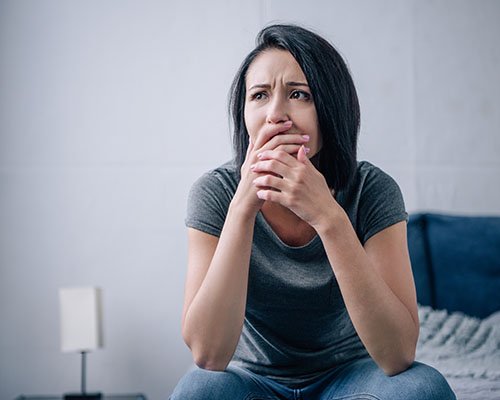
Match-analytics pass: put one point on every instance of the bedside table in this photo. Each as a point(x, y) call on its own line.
point(136, 396)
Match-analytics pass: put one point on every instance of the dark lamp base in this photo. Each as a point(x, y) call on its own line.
point(83, 396)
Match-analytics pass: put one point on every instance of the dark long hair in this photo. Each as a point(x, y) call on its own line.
point(333, 93)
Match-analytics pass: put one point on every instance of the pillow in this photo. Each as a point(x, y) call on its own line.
point(422, 272)
point(465, 258)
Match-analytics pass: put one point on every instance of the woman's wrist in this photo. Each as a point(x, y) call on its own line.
point(242, 210)
point(332, 223)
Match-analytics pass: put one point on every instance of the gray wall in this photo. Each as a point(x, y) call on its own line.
point(110, 109)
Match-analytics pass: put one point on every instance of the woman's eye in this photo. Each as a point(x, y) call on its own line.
point(258, 96)
point(300, 95)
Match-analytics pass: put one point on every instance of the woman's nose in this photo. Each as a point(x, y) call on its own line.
point(277, 111)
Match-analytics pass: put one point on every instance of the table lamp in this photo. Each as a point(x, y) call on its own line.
point(81, 328)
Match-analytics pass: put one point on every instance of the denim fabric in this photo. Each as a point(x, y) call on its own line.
point(361, 379)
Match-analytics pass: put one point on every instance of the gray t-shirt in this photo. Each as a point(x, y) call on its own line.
point(296, 323)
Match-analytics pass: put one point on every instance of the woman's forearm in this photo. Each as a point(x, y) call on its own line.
point(384, 324)
point(214, 319)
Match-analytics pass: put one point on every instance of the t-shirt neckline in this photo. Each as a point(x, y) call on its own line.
point(263, 222)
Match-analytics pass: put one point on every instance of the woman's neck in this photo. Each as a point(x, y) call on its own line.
point(291, 229)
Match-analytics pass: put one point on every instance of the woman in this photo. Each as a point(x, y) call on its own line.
point(299, 283)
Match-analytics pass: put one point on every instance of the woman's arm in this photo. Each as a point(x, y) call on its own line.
point(217, 277)
point(375, 280)
point(216, 288)
point(377, 287)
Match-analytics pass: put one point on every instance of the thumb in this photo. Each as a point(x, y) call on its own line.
point(250, 147)
point(301, 155)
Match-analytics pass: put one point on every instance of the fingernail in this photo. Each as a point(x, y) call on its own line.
point(305, 137)
point(307, 149)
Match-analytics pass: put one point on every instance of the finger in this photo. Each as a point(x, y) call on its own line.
point(270, 182)
point(285, 139)
point(291, 149)
point(248, 156)
point(271, 166)
point(271, 195)
point(278, 155)
point(249, 148)
point(302, 155)
point(270, 131)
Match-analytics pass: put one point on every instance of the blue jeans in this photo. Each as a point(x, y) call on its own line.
point(360, 379)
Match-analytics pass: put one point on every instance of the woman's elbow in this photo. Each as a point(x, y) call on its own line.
point(399, 365)
point(210, 363)
point(204, 358)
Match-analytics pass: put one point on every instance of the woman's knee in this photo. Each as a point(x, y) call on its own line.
point(426, 383)
point(200, 384)
point(419, 382)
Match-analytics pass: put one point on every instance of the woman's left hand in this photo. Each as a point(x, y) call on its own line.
point(295, 184)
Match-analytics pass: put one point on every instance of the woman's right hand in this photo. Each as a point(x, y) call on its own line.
point(272, 137)
point(246, 193)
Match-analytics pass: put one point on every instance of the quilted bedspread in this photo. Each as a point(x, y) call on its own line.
point(465, 350)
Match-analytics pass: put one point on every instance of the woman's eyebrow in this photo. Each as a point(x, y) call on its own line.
point(267, 86)
point(297, 84)
point(260, 85)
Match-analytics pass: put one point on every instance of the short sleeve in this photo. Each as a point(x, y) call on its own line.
point(381, 204)
point(208, 202)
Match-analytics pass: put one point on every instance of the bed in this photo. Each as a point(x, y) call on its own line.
point(456, 266)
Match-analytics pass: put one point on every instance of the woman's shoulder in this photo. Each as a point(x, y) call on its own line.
point(226, 171)
point(369, 176)
point(366, 168)
point(218, 183)
point(209, 199)
point(224, 176)
point(374, 200)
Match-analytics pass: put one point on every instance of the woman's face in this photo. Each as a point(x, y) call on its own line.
point(277, 91)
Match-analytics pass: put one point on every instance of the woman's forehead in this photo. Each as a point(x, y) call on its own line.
point(272, 65)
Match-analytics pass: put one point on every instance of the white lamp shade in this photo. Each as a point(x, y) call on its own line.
point(81, 319)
